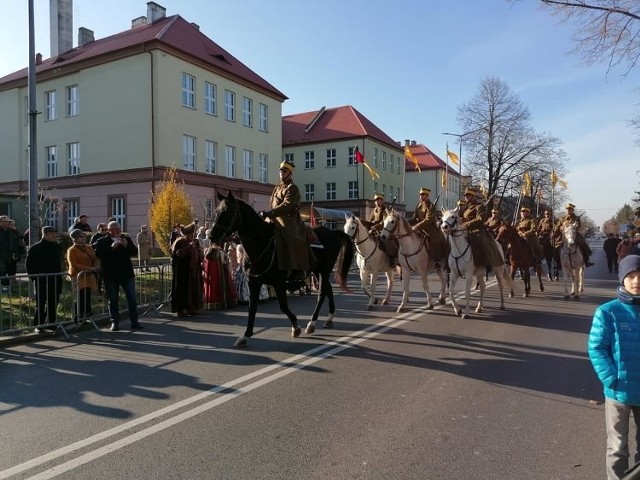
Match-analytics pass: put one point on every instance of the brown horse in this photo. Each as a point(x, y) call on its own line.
point(520, 257)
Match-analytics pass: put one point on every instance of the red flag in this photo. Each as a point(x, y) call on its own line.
point(312, 217)
point(359, 156)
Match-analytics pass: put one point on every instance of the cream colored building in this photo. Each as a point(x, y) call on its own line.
point(322, 144)
point(116, 113)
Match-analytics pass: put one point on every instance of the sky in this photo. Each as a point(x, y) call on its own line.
point(407, 65)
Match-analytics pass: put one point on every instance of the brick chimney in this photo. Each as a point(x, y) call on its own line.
point(61, 26)
point(85, 36)
point(138, 22)
point(155, 12)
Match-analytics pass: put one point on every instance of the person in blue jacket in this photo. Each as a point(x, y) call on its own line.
point(614, 350)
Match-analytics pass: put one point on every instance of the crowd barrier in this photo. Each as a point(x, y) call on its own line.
point(18, 302)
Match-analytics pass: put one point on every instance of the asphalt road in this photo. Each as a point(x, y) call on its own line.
point(420, 395)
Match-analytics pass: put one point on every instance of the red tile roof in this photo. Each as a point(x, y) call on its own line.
point(173, 32)
point(426, 159)
point(333, 124)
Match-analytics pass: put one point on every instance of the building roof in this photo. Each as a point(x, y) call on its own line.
point(330, 124)
point(426, 159)
point(172, 33)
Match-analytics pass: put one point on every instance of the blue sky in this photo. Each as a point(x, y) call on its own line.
point(407, 65)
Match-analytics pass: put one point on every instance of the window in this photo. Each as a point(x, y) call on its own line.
point(398, 168)
point(353, 189)
point(209, 207)
point(263, 164)
point(230, 161)
point(352, 156)
point(51, 213)
point(384, 190)
point(211, 154)
point(247, 163)
point(375, 158)
point(189, 152)
point(210, 94)
point(263, 118)
point(309, 160)
point(50, 110)
point(331, 157)
point(26, 111)
point(288, 157)
point(118, 211)
point(73, 158)
point(391, 164)
point(73, 101)
point(247, 112)
point(230, 106)
point(52, 161)
point(188, 91)
point(384, 160)
point(309, 192)
point(331, 191)
point(73, 210)
point(375, 187)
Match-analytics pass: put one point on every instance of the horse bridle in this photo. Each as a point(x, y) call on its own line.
point(453, 232)
point(357, 243)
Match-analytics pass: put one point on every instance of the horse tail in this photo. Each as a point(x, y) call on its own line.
point(344, 260)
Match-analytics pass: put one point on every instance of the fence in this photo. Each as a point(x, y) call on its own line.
point(19, 305)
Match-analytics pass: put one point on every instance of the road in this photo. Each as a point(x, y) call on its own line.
point(420, 395)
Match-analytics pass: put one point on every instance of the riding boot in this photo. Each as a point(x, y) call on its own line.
point(587, 262)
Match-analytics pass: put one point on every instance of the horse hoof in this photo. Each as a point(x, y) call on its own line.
point(525, 294)
point(577, 297)
point(511, 294)
point(328, 324)
point(566, 297)
point(311, 328)
point(375, 301)
point(441, 301)
point(501, 307)
point(464, 316)
point(295, 332)
point(430, 306)
point(241, 343)
point(399, 310)
point(385, 302)
point(541, 288)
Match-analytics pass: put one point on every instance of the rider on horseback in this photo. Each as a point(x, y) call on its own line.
point(425, 221)
point(483, 245)
point(571, 217)
point(495, 221)
point(375, 225)
point(527, 229)
point(545, 225)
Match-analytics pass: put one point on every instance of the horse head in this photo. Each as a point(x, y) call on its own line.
point(351, 225)
point(390, 224)
point(569, 233)
point(231, 216)
point(450, 221)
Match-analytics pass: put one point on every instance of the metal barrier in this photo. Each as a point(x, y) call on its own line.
point(18, 303)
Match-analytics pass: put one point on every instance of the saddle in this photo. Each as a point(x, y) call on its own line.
point(312, 238)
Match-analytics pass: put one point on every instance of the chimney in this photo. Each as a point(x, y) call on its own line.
point(85, 36)
point(138, 22)
point(155, 12)
point(407, 143)
point(413, 143)
point(61, 26)
point(38, 58)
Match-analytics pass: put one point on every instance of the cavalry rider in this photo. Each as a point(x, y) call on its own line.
point(495, 221)
point(483, 245)
point(294, 254)
point(572, 218)
point(425, 221)
point(527, 229)
point(375, 225)
point(545, 225)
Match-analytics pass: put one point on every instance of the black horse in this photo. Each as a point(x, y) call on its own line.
point(552, 257)
point(257, 237)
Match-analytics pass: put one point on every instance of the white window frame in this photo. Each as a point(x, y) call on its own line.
point(50, 215)
point(230, 161)
point(247, 112)
point(384, 160)
point(288, 157)
point(247, 164)
point(73, 100)
point(309, 160)
point(263, 167)
point(73, 210)
point(352, 189)
point(211, 156)
point(331, 190)
point(210, 96)
point(50, 106)
point(188, 91)
point(189, 146)
point(73, 158)
point(119, 211)
point(375, 158)
point(263, 117)
point(230, 105)
point(331, 158)
point(309, 192)
point(51, 154)
point(352, 156)
point(391, 159)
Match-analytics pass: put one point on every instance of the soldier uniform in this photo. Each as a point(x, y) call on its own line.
point(571, 217)
point(425, 221)
point(545, 225)
point(483, 245)
point(527, 229)
point(495, 221)
point(375, 225)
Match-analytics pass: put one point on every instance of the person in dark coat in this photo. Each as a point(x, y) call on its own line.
point(45, 257)
point(81, 224)
point(186, 263)
point(114, 252)
point(11, 248)
point(609, 246)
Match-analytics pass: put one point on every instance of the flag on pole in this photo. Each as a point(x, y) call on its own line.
point(444, 179)
point(453, 157)
point(484, 190)
point(556, 179)
point(526, 183)
point(358, 155)
point(312, 216)
point(408, 154)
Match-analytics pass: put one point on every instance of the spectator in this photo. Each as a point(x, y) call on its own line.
point(186, 264)
point(101, 231)
point(81, 224)
point(624, 248)
point(614, 350)
point(175, 234)
point(11, 248)
point(203, 238)
point(219, 291)
point(609, 246)
point(83, 265)
point(114, 252)
point(45, 257)
point(144, 239)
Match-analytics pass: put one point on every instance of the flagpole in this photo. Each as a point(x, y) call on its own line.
point(363, 197)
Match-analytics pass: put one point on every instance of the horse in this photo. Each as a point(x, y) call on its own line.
point(258, 240)
point(370, 258)
point(520, 257)
point(551, 256)
point(413, 256)
point(572, 262)
point(461, 265)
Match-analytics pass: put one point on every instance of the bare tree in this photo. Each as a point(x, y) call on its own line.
point(501, 145)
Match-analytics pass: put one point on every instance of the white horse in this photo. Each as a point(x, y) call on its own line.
point(572, 262)
point(413, 256)
point(462, 266)
point(370, 258)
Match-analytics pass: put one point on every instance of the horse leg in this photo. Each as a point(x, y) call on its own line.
point(512, 274)
point(406, 279)
point(480, 305)
point(387, 297)
point(425, 286)
point(539, 275)
point(453, 279)
point(500, 279)
point(324, 291)
point(467, 293)
point(526, 278)
point(566, 279)
point(254, 295)
point(372, 285)
point(443, 286)
point(281, 293)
